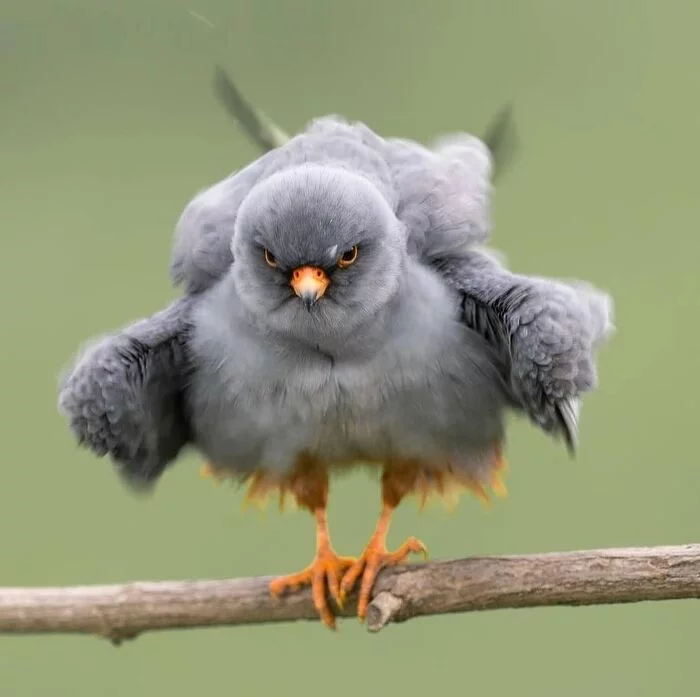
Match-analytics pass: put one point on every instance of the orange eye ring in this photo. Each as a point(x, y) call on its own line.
point(270, 260)
point(348, 258)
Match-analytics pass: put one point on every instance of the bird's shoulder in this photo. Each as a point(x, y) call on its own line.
point(440, 192)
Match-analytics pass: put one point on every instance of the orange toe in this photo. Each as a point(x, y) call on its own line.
point(325, 572)
point(371, 562)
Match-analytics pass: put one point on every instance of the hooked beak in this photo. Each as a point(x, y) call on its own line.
point(309, 283)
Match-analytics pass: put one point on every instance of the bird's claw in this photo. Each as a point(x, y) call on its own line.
point(374, 558)
point(326, 571)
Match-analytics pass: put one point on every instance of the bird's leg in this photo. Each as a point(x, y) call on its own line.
point(396, 483)
point(310, 488)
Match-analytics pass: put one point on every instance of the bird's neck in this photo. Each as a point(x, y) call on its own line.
point(361, 343)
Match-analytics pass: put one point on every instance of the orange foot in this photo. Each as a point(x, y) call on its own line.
point(372, 561)
point(327, 569)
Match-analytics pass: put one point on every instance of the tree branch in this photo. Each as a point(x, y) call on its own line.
point(595, 577)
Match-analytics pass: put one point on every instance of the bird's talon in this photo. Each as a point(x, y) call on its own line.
point(374, 558)
point(325, 571)
point(415, 546)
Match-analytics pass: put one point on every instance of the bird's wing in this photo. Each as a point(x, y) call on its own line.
point(445, 189)
point(123, 396)
point(444, 193)
point(544, 332)
point(202, 245)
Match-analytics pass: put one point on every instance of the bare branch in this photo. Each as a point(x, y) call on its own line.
point(594, 577)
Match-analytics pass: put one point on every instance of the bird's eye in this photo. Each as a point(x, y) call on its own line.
point(348, 258)
point(271, 261)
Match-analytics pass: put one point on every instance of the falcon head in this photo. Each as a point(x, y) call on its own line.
point(318, 253)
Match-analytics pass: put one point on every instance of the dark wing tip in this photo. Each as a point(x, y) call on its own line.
point(233, 101)
point(266, 136)
point(501, 139)
point(567, 411)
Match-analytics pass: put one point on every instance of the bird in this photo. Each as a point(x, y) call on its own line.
point(340, 308)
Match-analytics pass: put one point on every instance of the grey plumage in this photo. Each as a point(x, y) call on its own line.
point(444, 192)
point(417, 351)
point(545, 331)
point(124, 395)
point(380, 368)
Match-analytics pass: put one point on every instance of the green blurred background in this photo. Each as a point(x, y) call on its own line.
point(108, 127)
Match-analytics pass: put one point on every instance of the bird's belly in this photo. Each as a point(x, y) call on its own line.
point(425, 412)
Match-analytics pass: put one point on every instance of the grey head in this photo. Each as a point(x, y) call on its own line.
point(318, 256)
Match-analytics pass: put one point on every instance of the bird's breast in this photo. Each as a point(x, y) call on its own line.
point(256, 405)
